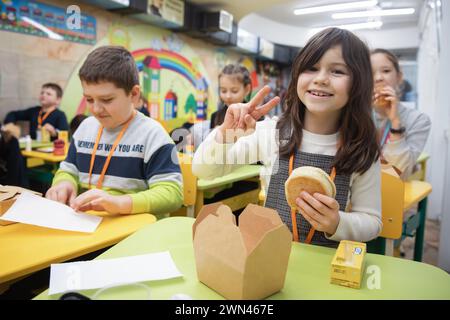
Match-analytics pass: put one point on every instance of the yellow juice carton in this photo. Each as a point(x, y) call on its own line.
point(45, 135)
point(64, 135)
point(347, 266)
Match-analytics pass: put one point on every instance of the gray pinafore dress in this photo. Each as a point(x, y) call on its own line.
point(276, 198)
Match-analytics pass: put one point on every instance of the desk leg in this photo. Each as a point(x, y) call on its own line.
point(190, 211)
point(420, 232)
point(198, 202)
point(389, 250)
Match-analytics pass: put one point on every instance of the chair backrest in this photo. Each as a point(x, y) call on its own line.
point(392, 198)
point(421, 168)
point(189, 180)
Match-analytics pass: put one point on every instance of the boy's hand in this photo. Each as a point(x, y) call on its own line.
point(99, 200)
point(51, 129)
point(321, 211)
point(63, 192)
point(243, 116)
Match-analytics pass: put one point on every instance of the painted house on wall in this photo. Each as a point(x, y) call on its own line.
point(152, 75)
point(200, 97)
point(170, 105)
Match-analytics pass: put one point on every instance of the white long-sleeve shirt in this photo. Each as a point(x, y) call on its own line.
point(404, 152)
point(362, 223)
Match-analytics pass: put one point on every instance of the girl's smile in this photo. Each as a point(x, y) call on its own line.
point(320, 94)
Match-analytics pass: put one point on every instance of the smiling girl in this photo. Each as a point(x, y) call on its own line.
point(327, 124)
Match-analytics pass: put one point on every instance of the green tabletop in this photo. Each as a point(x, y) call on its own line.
point(36, 144)
point(242, 173)
point(307, 277)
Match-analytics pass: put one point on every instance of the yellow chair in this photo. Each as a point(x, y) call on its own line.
point(392, 203)
point(397, 197)
point(189, 186)
point(421, 165)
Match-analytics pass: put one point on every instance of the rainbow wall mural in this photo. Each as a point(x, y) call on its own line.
point(150, 62)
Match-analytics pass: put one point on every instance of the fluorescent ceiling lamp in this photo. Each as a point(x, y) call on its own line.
point(373, 13)
point(336, 7)
point(353, 26)
point(50, 33)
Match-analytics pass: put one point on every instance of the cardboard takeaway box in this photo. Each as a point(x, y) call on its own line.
point(248, 261)
point(347, 266)
point(8, 195)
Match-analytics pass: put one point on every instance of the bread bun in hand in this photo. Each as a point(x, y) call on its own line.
point(381, 102)
point(309, 179)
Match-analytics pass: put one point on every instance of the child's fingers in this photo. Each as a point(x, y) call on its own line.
point(310, 211)
point(86, 207)
point(51, 194)
point(250, 122)
point(95, 205)
point(61, 195)
point(72, 197)
point(83, 199)
point(264, 109)
point(328, 201)
point(243, 112)
point(314, 203)
point(388, 92)
point(235, 112)
point(258, 98)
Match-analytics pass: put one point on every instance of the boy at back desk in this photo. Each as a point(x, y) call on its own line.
point(125, 160)
point(47, 116)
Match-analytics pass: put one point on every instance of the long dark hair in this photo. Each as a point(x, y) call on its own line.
point(243, 76)
point(358, 147)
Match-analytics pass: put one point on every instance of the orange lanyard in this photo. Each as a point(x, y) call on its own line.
point(294, 211)
point(108, 159)
point(42, 119)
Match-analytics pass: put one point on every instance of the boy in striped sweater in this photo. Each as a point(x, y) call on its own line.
point(125, 162)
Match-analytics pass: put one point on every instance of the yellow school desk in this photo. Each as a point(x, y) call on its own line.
point(243, 173)
point(46, 156)
point(308, 274)
point(36, 144)
point(25, 249)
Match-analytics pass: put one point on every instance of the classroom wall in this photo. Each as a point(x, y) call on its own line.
point(439, 141)
point(29, 61)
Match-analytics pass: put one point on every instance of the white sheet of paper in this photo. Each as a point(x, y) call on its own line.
point(84, 275)
point(32, 209)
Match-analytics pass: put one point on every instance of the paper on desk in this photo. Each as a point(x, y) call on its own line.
point(94, 274)
point(32, 209)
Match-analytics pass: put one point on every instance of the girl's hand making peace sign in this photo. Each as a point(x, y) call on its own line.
point(240, 119)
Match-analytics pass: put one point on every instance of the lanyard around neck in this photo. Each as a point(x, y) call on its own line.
point(42, 119)
point(294, 211)
point(108, 159)
point(386, 134)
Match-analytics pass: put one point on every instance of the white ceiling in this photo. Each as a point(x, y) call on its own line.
point(281, 11)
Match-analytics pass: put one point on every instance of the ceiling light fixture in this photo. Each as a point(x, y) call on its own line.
point(373, 13)
point(336, 7)
point(353, 26)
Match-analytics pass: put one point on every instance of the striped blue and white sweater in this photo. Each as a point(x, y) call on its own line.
point(144, 164)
